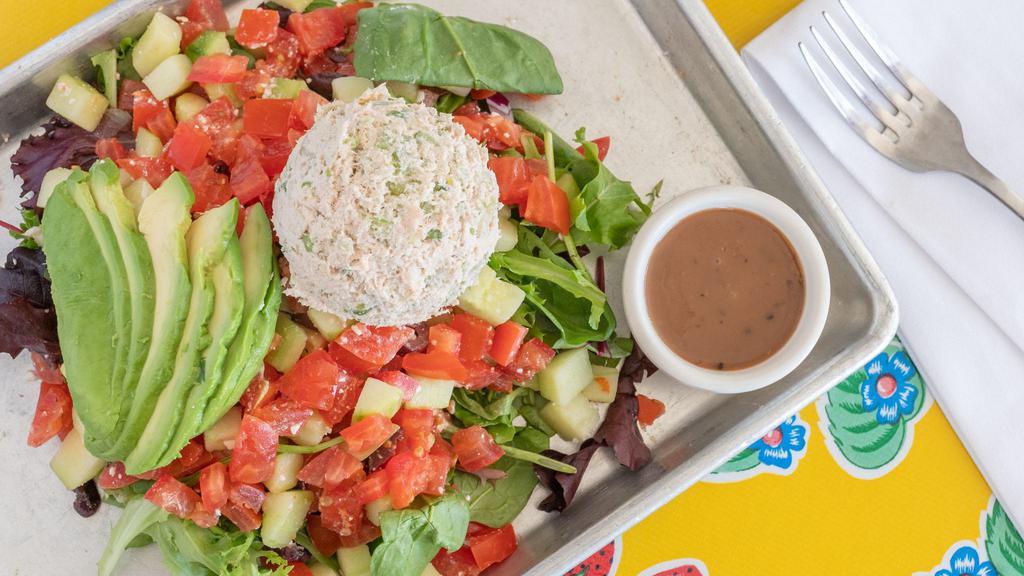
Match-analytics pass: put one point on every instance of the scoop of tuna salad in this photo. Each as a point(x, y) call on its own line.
point(386, 211)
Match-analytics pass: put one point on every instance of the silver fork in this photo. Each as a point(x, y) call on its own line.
point(918, 131)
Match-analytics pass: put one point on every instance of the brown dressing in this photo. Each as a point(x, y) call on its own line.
point(724, 289)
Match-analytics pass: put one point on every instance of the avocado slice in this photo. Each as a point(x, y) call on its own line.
point(91, 299)
point(104, 181)
point(228, 303)
point(207, 240)
point(262, 290)
point(163, 220)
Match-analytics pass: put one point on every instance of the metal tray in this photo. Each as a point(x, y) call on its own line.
point(663, 81)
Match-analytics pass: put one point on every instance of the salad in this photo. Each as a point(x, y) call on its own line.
point(166, 299)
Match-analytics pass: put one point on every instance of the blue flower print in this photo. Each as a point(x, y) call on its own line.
point(966, 562)
point(888, 390)
point(776, 448)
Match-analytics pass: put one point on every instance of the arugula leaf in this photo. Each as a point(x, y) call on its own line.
point(412, 537)
point(413, 43)
point(575, 282)
point(496, 503)
point(125, 64)
point(29, 220)
point(565, 152)
point(138, 516)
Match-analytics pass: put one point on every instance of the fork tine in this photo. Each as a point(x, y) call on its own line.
point(882, 84)
point(847, 111)
point(913, 86)
point(886, 115)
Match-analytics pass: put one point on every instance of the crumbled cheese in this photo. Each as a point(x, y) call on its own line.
point(386, 211)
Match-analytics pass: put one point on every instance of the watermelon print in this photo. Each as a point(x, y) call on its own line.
point(604, 562)
point(777, 452)
point(681, 567)
point(1003, 542)
point(868, 419)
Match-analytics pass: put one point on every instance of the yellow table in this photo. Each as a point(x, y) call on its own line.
point(823, 513)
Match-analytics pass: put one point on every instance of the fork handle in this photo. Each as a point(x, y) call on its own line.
point(977, 172)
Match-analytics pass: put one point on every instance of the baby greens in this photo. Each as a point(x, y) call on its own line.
point(498, 502)
point(413, 43)
point(412, 537)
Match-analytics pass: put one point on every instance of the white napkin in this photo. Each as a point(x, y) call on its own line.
point(954, 254)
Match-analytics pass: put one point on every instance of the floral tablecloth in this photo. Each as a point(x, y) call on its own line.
point(870, 479)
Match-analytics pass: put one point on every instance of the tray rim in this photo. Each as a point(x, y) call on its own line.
point(726, 57)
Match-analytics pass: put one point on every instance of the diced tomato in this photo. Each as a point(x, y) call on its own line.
point(373, 488)
point(404, 479)
point(152, 114)
point(262, 390)
point(114, 477)
point(218, 69)
point(187, 149)
point(213, 486)
point(193, 457)
point(603, 144)
point(284, 416)
point(126, 93)
point(110, 148)
point(326, 541)
point(203, 517)
point(435, 474)
point(53, 413)
point(257, 27)
point(314, 470)
point(318, 30)
point(458, 563)
point(255, 82)
point(417, 430)
point(266, 118)
point(322, 64)
point(441, 447)
point(173, 496)
point(547, 205)
point(508, 338)
point(245, 519)
point(252, 460)
point(480, 374)
point(444, 339)
point(470, 108)
point(300, 569)
point(304, 108)
point(330, 468)
point(407, 384)
point(313, 381)
point(349, 12)
point(362, 348)
point(648, 410)
point(209, 186)
point(154, 170)
point(477, 335)
point(208, 13)
point(249, 181)
point(439, 365)
point(475, 448)
point(481, 94)
point(275, 155)
point(250, 496)
point(45, 370)
point(348, 394)
point(365, 533)
point(282, 59)
point(492, 546)
point(367, 434)
point(494, 130)
point(341, 511)
point(532, 357)
point(513, 179)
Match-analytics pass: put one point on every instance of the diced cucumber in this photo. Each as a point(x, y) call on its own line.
point(508, 235)
point(491, 298)
point(221, 436)
point(216, 91)
point(78, 102)
point(287, 88)
point(604, 385)
point(283, 514)
point(106, 74)
point(314, 341)
point(318, 569)
point(312, 431)
point(286, 472)
point(348, 88)
point(409, 92)
point(458, 90)
point(532, 384)
point(566, 376)
point(188, 105)
point(575, 420)
point(377, 397)
point(73, 464)
point(355, 561)
point(376, 508)
point(289, 349)
point(76, 421)
point(137, 192)
point(207, 43)
point(147, 144)
point(430, 571)
point(567, 183)
point(432, 393)
point(50, 181)
point(295, 5)
point(160, 41)
point(170, 77)
point(328, 324)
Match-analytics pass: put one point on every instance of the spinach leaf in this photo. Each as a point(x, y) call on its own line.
point(496, 503)
point(412, 537)
point(413, 43)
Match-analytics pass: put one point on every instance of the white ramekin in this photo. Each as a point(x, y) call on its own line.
point(816, 284)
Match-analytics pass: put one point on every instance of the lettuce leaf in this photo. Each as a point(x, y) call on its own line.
point(27, 317)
